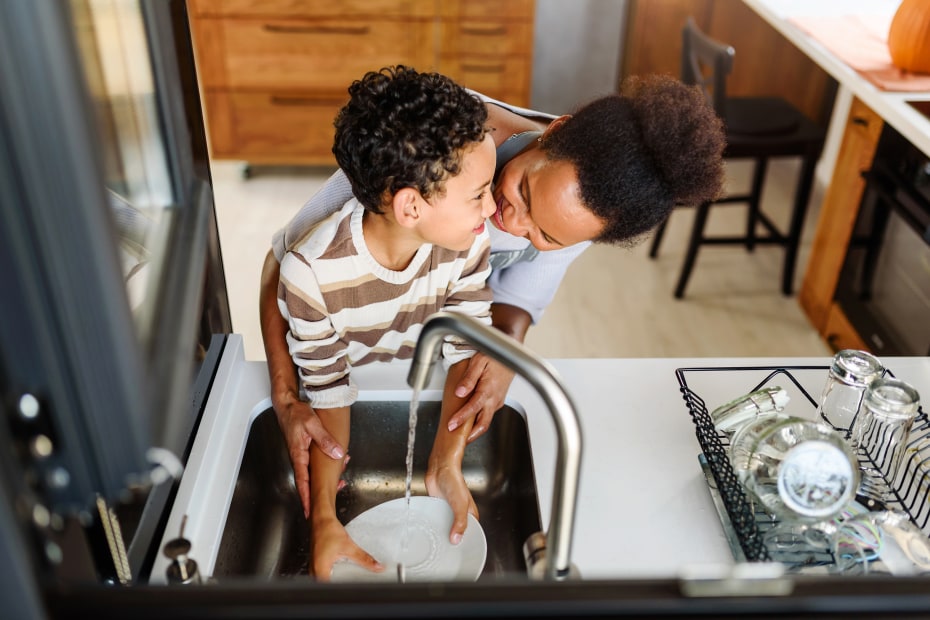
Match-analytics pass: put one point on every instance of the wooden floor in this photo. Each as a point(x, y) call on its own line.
point(614, 302)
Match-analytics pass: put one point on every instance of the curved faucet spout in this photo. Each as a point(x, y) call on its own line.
point(542, 376)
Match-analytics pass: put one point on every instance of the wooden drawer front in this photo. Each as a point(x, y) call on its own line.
point(321, 55)
point(314, 8)
point(267, 128)
point(486, 38)
point(507, 79)
point(501, 9)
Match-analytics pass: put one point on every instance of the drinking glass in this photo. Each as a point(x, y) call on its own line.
point(850, 373)
point(881, 432)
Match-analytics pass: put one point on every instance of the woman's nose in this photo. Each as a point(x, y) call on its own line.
point(518, 224)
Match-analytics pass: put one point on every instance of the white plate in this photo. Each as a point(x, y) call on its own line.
point(429, 556)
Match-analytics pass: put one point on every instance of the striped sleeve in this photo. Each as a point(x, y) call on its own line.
point(314, 344)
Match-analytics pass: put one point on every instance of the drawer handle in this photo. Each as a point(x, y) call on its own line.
point(483, 68)
point(858, 120)
point(297, 100)
point(485, 32)
point(317, 29)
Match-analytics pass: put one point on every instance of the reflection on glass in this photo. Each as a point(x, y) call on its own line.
point(113, 50)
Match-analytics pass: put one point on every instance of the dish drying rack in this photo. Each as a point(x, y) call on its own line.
point(746, 527)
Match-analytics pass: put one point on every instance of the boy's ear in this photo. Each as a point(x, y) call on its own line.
point(407, 206)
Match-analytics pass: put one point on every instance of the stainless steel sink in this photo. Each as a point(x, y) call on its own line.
point(266, 535)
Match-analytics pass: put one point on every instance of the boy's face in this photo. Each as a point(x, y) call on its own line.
point(456, 217)
point(540, 200)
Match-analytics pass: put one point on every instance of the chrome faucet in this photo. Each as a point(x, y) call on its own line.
point(555, 558)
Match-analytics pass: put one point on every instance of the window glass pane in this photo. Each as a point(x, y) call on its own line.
point(113, 49)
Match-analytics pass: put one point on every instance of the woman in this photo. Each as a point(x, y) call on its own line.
point(610, 173)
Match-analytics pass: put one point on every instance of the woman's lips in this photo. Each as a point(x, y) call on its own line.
point(479, 229)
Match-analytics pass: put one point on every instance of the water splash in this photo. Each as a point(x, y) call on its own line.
point(411, 439)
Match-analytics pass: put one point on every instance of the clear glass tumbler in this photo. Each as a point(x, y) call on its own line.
point(850, 373)
point(881, 432)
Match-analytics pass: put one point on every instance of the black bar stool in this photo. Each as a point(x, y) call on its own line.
point(757, 128)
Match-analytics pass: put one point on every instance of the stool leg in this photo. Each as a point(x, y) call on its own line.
point(697, 236)
point(802, 197)
point(755, 197)
point(657, 238)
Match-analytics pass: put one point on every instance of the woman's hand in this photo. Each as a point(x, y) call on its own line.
point(485, 384)
point(330, 543)
point(301, 426)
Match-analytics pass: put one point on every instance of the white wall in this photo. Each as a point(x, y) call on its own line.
point(576, 52)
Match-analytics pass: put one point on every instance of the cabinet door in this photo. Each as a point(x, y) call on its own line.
point(838, 213)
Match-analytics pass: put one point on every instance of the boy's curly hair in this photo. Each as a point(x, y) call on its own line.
point(402, 128)
point(638, 154)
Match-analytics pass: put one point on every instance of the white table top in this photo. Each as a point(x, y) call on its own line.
point(891, 106)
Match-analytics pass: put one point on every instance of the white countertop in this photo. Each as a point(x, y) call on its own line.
point(644, 508)
point(891, 106)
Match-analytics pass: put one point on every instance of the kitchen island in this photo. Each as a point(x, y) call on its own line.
point(644, 508)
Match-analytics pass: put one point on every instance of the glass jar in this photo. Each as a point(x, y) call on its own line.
point(799, 470)
point(850, 373)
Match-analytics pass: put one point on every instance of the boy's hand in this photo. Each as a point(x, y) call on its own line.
point(485, 383)
point(448, 483)
point(301, 427)
point(329, 543)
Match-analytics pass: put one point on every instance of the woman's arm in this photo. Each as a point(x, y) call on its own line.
point(503, 123)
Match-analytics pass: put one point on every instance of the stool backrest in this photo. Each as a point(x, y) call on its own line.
point(706, 62)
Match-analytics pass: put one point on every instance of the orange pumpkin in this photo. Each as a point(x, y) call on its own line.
point(909, 36)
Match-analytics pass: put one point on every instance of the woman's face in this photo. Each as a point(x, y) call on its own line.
point(540, 200)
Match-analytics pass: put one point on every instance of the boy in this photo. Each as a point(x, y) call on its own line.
point(357, 288)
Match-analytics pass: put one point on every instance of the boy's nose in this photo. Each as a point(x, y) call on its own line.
point(489, 206)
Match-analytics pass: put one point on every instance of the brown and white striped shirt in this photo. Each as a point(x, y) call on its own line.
point(345, 309)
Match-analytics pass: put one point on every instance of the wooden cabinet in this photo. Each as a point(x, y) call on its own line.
point(835, 225)
point(274, 73)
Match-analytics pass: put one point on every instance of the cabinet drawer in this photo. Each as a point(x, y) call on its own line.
point(321, 55)
point(505, 78)
point(486, 38)
point(313, 8)
point(506, 9)
point(269, 128)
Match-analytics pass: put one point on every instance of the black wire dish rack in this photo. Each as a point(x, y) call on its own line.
point(744, 525)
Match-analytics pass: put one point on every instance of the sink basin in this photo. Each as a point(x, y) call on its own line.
point(266, 535)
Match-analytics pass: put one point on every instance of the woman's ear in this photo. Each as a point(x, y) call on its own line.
point(406, 206)
point(554, 125)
